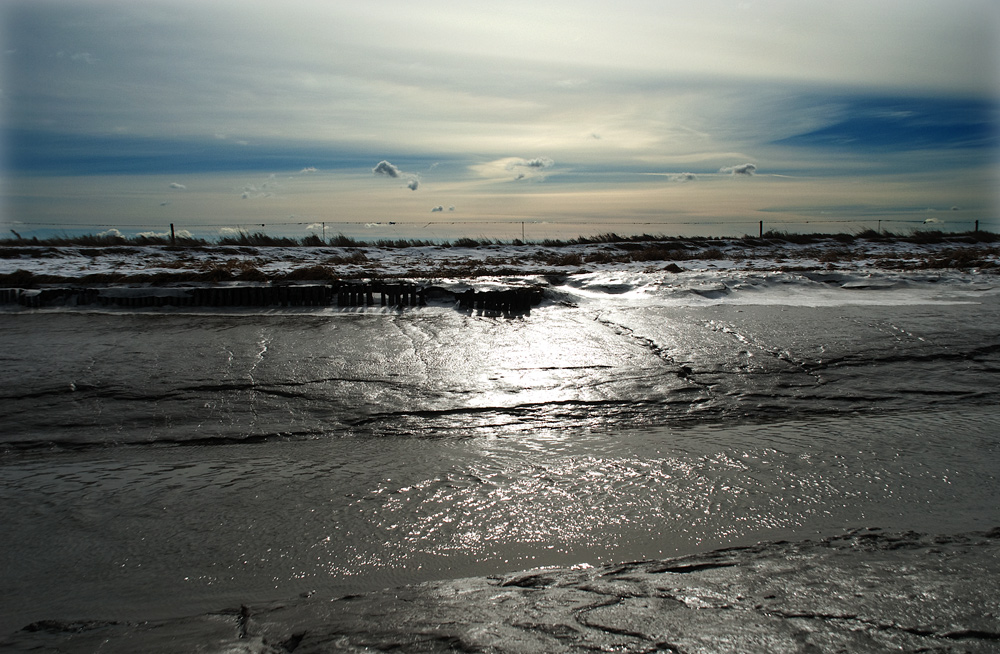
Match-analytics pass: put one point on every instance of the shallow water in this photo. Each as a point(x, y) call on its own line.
point(163, 464)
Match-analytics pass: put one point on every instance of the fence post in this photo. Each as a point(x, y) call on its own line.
point(172, 241)
point(977, 226)
point(762, 229)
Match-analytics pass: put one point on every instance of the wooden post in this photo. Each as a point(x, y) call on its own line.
point(172, 240)
point(762, 229)
point(977, 225)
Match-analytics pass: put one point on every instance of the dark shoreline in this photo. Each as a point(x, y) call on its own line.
point(863, 591)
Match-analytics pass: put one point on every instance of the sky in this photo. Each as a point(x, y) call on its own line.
point(444, 118)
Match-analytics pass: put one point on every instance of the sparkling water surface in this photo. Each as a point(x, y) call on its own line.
point(164, 464)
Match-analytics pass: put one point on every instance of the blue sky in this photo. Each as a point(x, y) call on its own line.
point(589, 116)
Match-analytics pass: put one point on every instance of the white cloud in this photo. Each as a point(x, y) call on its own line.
point(437, 209)
point(179, 187)
point(386, 169)
point(111, 232)
point(683, 177)
point(742, 169)
point(310, 169)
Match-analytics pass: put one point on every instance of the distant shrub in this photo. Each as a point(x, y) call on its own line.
point(257, 239)
point(311, 273)
point(604, 256)
point(834, 255)
point(926, 237)
point(572, 259)
point(872, 235)
point(342, 241)
point(358, 257)
point(982, 237)
point(787, 237)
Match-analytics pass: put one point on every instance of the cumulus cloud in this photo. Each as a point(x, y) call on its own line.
point(310, 169)
point(742, 169)
point(179, 187)
point(437, 208)
point(683, 177)
point(386, 168)
point(111, 232)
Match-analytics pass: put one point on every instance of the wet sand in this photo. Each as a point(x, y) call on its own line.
point(864, 591)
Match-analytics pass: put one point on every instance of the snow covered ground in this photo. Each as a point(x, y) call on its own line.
point(160, 264)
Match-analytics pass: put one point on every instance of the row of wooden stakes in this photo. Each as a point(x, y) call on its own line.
point(513, 301)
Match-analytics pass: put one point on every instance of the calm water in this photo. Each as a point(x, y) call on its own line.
point(166, 464)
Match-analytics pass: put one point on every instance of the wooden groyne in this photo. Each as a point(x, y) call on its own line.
point(507, 302)
point(513, 301)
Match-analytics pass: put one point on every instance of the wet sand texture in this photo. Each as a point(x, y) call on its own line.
point(865, 591)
